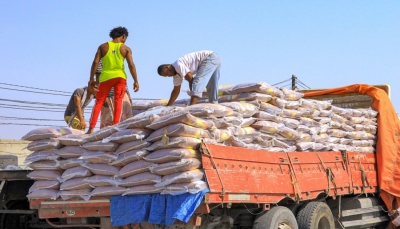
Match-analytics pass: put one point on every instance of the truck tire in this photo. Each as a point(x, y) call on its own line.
point(316, 215)
point(276, 218)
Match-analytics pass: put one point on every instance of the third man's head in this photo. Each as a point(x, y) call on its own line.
point(166, 70)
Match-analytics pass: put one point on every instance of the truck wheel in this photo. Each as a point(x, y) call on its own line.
point(316, 215)
point(276, 218)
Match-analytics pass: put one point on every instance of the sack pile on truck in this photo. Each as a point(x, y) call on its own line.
point(157, 150)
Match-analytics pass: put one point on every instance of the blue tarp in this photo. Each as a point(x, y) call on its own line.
point(154, 208)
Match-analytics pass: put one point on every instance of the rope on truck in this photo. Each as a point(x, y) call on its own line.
point(330, 176)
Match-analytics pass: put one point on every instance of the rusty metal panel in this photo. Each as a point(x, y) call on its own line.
point(311, 175)
point(71, 209)
point(263, 176)
point(367, 162)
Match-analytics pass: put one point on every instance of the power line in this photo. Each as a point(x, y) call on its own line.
point(32, 109)
point(34, 88)
point(37, 92)
point(30, 102)
point(31, 119)
point(281, 82)
point(299, 82)
point(13, 105)
point(26, 124)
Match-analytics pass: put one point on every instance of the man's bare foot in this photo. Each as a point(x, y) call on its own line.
point(90, 130)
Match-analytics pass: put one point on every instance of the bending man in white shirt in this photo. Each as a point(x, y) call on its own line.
point(200, 69)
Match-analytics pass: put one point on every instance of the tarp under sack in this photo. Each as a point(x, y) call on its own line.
point(154, 208)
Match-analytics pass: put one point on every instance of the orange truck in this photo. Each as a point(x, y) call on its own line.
point(278, 190)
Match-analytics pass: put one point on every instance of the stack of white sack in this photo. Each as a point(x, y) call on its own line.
point(156, 151)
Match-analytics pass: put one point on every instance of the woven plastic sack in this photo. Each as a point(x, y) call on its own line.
point(291, 95)
point(181, 177)
point(339, 110)
point(43, 194)
point(100, 134)
point(98, 157)
point(128, 135)
point(75, 173)
point(269, 108)
point(45, 165)
point(289, 122)
point(321, 138)
point(45, 184)
point(100, 146)
point(210, 109)
point(178, 189)
point(245, 97)
point(75, 184)
point(178, 130)
point(225, 122)
point(72, 139)
point(134, 145)
point(70, 163)
point(82, 193)
point(44, 144)
point(346, 127)
point(236, 142)
point(107, 111)
point(345, 141)
point(304, 146)
point(134, 168)
point(71, 152)
point(142, 189)
point(369, 113)
point(358, 135)
point(369, 122)
point(246, 122)
point(306, 103)
point(168, 155)
point(289, 133)
point(260, 87)
point(268, 127)
point(44, 175)
point(246, 132)
point(322, 105)
point(41, 133)
point(265, 116)
point(142, 104)
point(325, 113)
point(278, 102)
point(245, 109)
point(101, 169)
point(339, 119)
point(139, 121)
point(180, 117)
point(315, 130)
point(337, 133)
point(371, 129)
point(175, 166)
point(175, 142)
point(128, 157)
point(221, 135)
point(68, 130)
point(291, 113)
point(303, 128)
point(309, 122)
point(102, 180)
point(40, 156)
point(145, 178)
point(108, 191)
point(292, 105)
point(335, 125)
point(304, 137)
point(136, 112)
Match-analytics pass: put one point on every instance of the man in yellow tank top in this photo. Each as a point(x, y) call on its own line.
point(112, 54)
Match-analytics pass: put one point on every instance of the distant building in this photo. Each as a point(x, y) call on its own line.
point(16, 148)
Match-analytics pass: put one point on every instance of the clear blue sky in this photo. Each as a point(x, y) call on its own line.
point(51, 44)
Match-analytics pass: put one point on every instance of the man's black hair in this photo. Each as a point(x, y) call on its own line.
point(118, 31)
point(161, 68)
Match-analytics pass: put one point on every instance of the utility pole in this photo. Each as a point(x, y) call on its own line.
point(294, 82)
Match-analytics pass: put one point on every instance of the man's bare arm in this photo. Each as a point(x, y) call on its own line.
point(189, 78)
point(132, 67)
point(95, 63)
point(79, 112)
point(174, 94)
